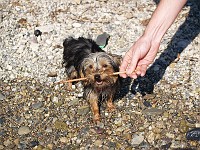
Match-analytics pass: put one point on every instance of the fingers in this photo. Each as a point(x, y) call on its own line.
point(125, 64)
point(140, 71)
point(132, 65)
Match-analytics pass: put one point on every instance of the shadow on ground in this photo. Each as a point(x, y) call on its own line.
point(182, 38)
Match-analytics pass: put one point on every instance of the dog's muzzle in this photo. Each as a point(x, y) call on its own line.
point(97, 78)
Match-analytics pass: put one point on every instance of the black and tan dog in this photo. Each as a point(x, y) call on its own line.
point(83, 58)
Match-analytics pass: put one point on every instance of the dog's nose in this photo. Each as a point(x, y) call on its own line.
point(97, 77)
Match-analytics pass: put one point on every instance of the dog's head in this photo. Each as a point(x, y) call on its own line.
point(98, 67)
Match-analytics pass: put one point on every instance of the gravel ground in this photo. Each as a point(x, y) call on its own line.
point(153, 112)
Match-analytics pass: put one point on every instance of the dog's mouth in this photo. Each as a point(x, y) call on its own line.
point(99, 82)
point(98, 79)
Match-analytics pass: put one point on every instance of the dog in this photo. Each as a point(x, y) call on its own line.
point(83, 58)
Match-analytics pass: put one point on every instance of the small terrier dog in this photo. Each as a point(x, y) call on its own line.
point(83, 58)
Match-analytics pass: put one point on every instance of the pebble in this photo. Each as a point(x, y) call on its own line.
point(152, 111)
point(98, 143)
point(23, 130)
point(2, 97)
point(83, 110)
point(76, 25)
point(37, 105)
point(137, 139)
point(34, 143)
point(63, 139)
point(1, 147)
point(2, 121)
point(149, 96)
point(147, 104)
point(193, 134)
point(37, 33)
point(99, 130)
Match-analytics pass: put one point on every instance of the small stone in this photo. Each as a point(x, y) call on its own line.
point(37, 105)
point(83, 110)
point(48, 41)
point(98, 130)
point(77, 1)
point(76, 25)
point(2, 121)
point(147, 104)
point(152, 111)
point(74, 102)
point(7, 143)
point(102, 39)
point(37, 33)
point(52, 74)
point(98, 143)
point(2, 97)
point(193, 134)
point(183, 126)
point(63, 139)
point(60, 125)
point(34, 46)
point(149, 96)
point(9, 67)
point(55, 100)
point(23, 130)
point(34, 143)
point(1, 147)
point(137, 138)
point(48, 130)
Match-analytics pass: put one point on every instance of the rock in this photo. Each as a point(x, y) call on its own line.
point(55, 100)
point(2, 97)
point(74, 102)
point(193, 134)
point(147, 104)
point(2, 121)
point(34, 143)
point(137, 138)
point(98, 143)
point(37, 105)
point(83, 110)
point(1, 147)
point(60, 125)
point(149, 96)
point(52, 74)
point(37, 33)
point(183, 126)
point(76, 25)
point(102, 39)
point(152, 111)
point(63, 139)
point(77, 1)
point(23, 130)
point(98, 130)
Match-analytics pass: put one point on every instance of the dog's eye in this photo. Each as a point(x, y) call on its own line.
point(105, 66)
point(90, 66)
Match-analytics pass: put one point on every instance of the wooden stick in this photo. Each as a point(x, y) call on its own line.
point(72, 80)
point(81, 79)
point(116, 73)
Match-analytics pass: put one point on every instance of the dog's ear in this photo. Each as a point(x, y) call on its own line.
point(81, 71)
point(117, 59)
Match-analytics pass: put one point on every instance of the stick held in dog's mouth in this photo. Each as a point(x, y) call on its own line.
point(82, 79)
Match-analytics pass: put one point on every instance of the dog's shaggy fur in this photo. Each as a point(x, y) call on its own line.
point(83, 58)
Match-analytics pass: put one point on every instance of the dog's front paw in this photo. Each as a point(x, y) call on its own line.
point(110, 107)
point(96, 118)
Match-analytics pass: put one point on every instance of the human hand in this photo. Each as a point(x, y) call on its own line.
point(139, 57)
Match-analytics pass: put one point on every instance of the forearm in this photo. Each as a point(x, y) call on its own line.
point(162, 18)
